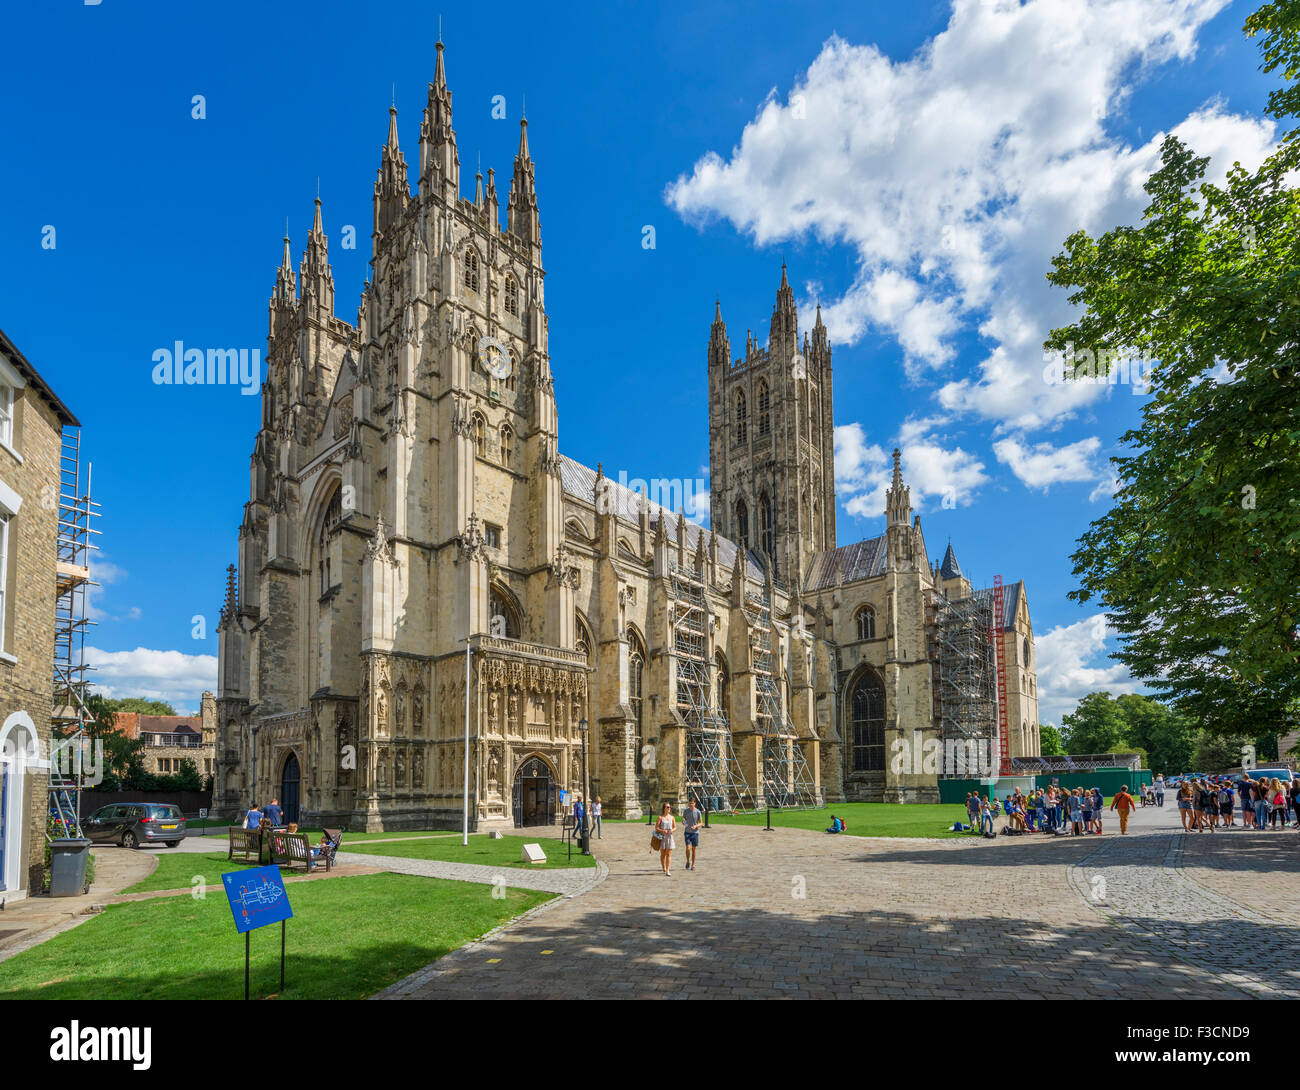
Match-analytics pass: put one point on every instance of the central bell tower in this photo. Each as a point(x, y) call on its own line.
point(771, 439)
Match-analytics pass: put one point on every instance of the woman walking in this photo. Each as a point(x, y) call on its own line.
point(1185, 804)
point(1278, 804)
point(665, 827)
point(1259, 794)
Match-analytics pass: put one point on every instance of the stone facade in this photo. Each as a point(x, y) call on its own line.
point(29, 490)
point(408, 496)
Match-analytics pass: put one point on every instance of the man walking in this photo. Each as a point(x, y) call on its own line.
point(1123, 802)
point(692, 819)
point(274, 814)
point(1160, 789)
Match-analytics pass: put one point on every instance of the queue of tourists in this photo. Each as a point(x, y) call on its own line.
point(1075, 811)
point(1264, 803)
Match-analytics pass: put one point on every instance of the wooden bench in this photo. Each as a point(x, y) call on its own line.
point(288, 849)
point(248, 842)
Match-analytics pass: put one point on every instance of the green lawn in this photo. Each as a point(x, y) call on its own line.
point(863, 818)
point(315, 834)
point(177, 870)
point(481, 849)
point(349, 938)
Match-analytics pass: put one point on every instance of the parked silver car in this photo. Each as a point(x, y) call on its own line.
point(134, 823)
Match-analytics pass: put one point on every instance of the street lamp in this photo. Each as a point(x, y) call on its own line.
point(586, 792)
point(256, 725)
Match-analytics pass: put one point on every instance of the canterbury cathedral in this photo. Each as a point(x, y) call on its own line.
point(434, 607)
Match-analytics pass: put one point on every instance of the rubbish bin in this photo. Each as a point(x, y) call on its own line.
point(68, 867)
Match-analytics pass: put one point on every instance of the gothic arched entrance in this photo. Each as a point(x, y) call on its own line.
point(290, 788)
point(536, 793)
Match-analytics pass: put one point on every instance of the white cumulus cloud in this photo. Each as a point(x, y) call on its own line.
point(1072, 662)
point(173, 676)
point(1043, 465)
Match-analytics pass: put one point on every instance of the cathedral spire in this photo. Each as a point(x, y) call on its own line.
point(784, 318)
point(286, 284)
point(391, 189)
point(315, 274)
point(898, 500)
point(437, 137)
point(523, 218)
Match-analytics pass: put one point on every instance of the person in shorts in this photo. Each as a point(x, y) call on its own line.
point(1226, 804)
point(692, 819)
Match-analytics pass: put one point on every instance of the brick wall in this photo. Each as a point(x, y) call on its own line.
point(26, 684)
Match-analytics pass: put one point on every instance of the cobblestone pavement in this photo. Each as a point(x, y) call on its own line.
point(800, 914)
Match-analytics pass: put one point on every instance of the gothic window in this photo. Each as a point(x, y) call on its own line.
point(329, 524)
point(764, 408)
point(480, 436)
point(742, 524)
point(584, 641)
point(512, 296)
point(766, 537)
point(742, 418)
point(491, 535)
point(575, 531)
point(471, 271)
point(867, 708)
point(507, 445)
point(723, 685)
point(866, 622)
point(499, 605)
point(635, 671)
point(1026, 652)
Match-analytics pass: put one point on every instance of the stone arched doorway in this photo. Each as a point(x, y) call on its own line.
point(291, 788)
point(19, 749)
point(536, 793)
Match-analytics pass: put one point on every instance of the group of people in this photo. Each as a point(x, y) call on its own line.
point(580, 812)
point(1052, 809)
point(665, 835)
point(272, 820)
point(1264, 804)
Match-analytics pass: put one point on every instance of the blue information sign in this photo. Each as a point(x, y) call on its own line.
point(257, 897)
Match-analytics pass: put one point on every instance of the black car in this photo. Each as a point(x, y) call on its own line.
point(131, 824)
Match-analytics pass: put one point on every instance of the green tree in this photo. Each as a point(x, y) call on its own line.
point(1154, 727)
point(1096, 726)
point(1198, 561)
point(140, 704)
point(1049, 740)
point(1216, 752)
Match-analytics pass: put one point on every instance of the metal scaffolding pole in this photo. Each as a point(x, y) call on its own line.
point(73, 545)
point(788, 783)
point(968, 713)
point(712, 772)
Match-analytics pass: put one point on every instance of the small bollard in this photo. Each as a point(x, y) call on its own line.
point(769, 820)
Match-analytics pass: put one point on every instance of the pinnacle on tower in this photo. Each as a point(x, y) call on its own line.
point(391, 190)
point(437, 137)
point(316, 277)
point(951, 569)
point(785, 319)
point(523, 218)
point(898, 500)
point(286, 284)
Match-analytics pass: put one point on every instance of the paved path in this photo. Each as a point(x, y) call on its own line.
point(568, 882)
point(801, 914)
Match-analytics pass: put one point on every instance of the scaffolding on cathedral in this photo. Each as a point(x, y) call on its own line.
point(788, 784)
point(968, 713)
point(713, 774)
point(69, 714)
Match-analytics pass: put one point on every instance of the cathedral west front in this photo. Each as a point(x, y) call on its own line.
point(434, 606)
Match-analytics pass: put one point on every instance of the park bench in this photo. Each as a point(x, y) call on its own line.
point(288, 849)
point(247, 842)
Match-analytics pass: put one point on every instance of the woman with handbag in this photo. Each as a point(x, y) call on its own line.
point(663, 838)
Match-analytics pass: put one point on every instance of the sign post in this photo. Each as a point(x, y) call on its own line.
point(257, 898)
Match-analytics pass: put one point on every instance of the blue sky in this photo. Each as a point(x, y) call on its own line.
point(915, 168)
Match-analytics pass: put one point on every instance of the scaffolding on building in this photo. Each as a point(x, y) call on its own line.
point(69, 712)
point(788, 783)
point(967, 669)
point(713, 775)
